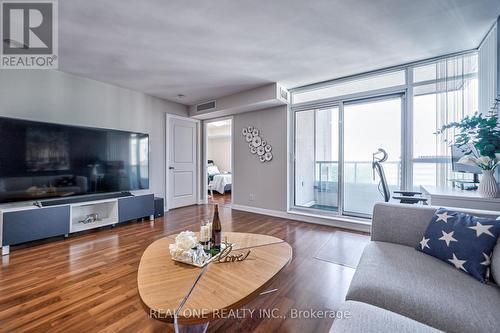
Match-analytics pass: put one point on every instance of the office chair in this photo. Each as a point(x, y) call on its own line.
point(407, 197)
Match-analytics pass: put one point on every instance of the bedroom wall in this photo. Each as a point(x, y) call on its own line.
point(58, 97)
point(219, 150)
point(261, 185)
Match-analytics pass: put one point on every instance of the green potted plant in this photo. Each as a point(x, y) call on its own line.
point(479, 138)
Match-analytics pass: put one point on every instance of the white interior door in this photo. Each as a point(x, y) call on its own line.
point(182, 141)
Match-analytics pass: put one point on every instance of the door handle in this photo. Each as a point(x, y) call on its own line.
point(171, 168)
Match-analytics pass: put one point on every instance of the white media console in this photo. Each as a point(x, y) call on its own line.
point(25, 223)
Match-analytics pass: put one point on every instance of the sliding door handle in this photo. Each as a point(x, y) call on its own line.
point(171, 168)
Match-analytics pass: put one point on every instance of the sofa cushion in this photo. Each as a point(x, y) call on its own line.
point(461, 240)
point(362, 317)
point(400, 279)
point(495, 262)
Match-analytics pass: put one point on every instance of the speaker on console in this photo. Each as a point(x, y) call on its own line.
point(159, 207)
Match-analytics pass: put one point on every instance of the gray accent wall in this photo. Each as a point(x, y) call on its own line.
point(266, 181)
point(58, 97)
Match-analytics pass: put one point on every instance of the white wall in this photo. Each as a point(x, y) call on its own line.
point(219, 150)
point(53, 96)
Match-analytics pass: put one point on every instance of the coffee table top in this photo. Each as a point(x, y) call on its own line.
point(166, 286)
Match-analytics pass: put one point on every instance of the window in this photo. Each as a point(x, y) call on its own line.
point(370, 83)
point(370, 125)
point(316, 159)
point(338, 125)
point(444, 91)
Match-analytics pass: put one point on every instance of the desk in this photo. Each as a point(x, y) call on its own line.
point(454, 197)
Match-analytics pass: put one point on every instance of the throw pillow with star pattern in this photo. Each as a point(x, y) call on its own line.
point(461, 240)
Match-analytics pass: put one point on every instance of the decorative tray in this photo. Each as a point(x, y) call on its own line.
point(191, 260)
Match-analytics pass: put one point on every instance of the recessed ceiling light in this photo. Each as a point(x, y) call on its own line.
point(181, 96)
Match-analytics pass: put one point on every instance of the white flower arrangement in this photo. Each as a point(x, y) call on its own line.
point(484, 162)
point(186, 240)
point(187, 249)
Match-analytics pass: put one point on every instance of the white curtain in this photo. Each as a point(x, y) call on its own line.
point(454, 83)
point(488, 65)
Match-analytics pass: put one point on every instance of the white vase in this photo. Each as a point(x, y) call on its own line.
point(488, 187)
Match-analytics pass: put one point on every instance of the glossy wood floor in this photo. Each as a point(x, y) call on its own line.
point(221, 199)
point(87, 283)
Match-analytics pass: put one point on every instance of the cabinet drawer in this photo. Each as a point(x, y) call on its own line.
point(132, 208)
point(28, 225)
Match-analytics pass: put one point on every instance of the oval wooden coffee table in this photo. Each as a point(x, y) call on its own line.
point(187, 295)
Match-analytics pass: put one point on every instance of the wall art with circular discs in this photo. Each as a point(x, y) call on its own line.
point(258, 146)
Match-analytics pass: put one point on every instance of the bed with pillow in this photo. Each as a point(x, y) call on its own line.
point(217, 181)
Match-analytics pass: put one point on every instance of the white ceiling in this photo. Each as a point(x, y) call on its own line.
point(221, 128)
point(211, 48)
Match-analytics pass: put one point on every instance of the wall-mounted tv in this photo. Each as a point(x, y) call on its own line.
point(41, 160)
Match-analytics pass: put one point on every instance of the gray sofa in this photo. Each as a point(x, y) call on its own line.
point(397, 288)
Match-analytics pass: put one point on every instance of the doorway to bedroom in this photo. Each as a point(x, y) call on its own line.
point(218, 139)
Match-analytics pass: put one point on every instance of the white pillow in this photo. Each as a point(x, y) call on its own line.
point(213, 170)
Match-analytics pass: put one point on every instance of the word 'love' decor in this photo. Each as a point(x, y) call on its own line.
point(226, 256)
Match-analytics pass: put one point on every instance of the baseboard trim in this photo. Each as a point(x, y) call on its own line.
point(340, 222)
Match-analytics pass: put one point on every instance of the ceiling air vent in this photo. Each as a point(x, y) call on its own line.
point(207, 106)
point(283, 94)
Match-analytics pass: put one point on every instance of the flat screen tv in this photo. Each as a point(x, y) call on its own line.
point(41, 160)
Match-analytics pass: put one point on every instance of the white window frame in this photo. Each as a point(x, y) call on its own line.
point(406, 90)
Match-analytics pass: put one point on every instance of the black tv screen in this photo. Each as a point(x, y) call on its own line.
point(41, 160)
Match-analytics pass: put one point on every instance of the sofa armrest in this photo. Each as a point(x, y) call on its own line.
point(400, 223)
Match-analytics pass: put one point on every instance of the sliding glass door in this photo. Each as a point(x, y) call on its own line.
point(316, 159)
point(332, 168)
point(369, 125)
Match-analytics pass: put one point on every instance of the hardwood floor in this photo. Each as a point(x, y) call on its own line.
point(221, 199)
point(88, 283)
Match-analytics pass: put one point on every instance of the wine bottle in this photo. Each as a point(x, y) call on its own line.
point(216, 230)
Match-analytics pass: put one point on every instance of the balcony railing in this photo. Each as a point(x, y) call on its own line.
point(357, 172)
point(361, 191)
point(360, 172)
